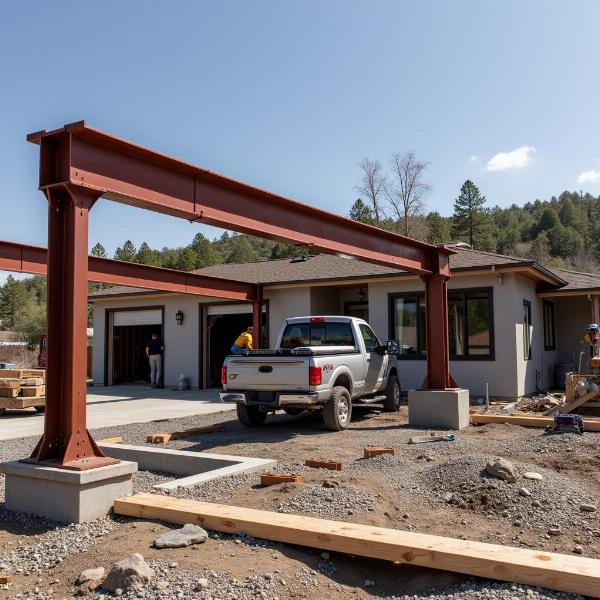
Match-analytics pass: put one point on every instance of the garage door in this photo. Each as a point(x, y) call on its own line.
point(230, 309)
point(137, 317)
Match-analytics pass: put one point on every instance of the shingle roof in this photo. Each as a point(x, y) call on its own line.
point(330, 267)
point(577, 281)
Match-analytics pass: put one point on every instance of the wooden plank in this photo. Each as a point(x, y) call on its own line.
point(589, 424)
point(165, 438)
point(7, 392)
point(27, 373)
point(33, 392)
point(575, 574)
point(577, 403)
point(10, 383)
point(5, 579)
point(112, 440)
point(10, 373)
point(332, 465)
point(375, 451)
point(275, 478)
point(19, 402)
point(33, 381)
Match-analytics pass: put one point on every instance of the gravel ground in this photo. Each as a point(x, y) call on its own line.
point(446, 477)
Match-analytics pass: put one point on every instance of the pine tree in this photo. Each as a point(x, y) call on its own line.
point(438, 228)
point(206, 255)
point(470, 219)
point(361, 212)
point(146, 256)
point(187, 259)
point(12, 295)
point(280, 251)
point(126, 252)
point(99, 250)
point(242, 251)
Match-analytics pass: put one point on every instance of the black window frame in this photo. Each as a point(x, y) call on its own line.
point(464, 292)
point(527, 331)
point(549, 316)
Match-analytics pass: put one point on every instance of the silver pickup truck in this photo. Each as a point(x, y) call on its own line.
point(320, 363)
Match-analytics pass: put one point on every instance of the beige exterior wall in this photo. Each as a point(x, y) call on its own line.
point(181, 342)
point(573, 315)
point(285, 303)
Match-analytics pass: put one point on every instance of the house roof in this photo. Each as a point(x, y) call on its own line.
point(577, 281)
point(325, 267)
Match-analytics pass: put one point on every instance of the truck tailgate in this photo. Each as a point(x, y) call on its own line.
point(279, 373)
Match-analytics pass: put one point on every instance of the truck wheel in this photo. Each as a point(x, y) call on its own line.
point(338, 411)
point(392, 395)
point(293, 411)
point(2, 411)
point(250, 416)
point(40, 409)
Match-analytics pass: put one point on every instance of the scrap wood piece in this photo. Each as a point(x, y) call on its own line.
point(528, 421)
point(275, 478)
point(112, 440)
point(566, 573)
point(567, 408)
point(370, 452)
point(11, 383)
point(432, 438)
point(4, 579)
point(32, 381)
point(332, 465)
point(33, 392)
point(165, 438)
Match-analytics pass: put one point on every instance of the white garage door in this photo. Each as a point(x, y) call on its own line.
point(137, 317)
point(230, 309)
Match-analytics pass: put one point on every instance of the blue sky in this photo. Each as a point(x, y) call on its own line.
point(290, 96)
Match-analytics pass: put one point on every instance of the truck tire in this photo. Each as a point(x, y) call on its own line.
point(2, 411)
point(250, 416)
point(392, 395)
point(338, 411)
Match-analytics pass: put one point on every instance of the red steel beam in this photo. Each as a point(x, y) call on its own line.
point(125, 172)
point(33, 259)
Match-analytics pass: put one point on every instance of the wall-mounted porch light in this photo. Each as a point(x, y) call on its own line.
point(179, 317)
point(362, 295)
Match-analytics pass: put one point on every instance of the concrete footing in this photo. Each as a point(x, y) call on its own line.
point(443, 409)
point(63, 495)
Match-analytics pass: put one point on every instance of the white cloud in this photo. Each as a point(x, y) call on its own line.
point(515, 159)
point(474, 159)
point(590, 176)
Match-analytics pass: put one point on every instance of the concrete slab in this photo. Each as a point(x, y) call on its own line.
point(62, 495)
point(195, 467)
point(443, 409)
point(120, 405)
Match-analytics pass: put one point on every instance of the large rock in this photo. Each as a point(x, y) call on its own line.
point(502, 469)
point(178, 538)
point(129, 573)
point(91, 575)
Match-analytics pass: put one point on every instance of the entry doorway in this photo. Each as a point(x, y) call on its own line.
point(127, 333)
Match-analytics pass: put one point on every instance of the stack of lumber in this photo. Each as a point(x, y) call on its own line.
point(21, 388)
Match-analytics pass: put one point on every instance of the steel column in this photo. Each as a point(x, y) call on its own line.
point(257, 318)
point(66, 441)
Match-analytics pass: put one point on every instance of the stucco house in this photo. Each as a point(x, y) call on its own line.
point(511, 320)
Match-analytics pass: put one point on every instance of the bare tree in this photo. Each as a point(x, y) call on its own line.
point(372, 185)
point(406, 193)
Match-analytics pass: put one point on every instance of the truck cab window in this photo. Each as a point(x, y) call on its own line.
point(370, 339)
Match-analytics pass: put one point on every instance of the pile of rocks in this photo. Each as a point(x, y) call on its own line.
point(333, 500)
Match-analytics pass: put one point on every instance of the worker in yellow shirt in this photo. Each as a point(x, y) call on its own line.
point(243, 341)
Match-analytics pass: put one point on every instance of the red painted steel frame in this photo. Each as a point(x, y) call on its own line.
point(33, 259)
point(79, 164)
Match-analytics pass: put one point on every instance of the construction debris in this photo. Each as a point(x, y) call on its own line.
point(112, 440)
point(374, 451)
point(165, 438)
point(332, 465)
point(433, 437)
point(524, 420)
point(275, 478)
point(22, 388)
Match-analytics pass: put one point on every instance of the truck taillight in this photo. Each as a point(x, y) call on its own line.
point(224, 374)
point(315, 376)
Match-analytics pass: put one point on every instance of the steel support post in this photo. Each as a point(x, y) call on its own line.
point(66, 441)
point(257, 318)
point(436, 299)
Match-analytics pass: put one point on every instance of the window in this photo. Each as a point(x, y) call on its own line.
point(549, 334)
point(526, 329)
point(470, 324)
point(317, 334)
point(371, 342)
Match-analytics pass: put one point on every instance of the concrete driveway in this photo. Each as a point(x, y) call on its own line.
point(119, 405)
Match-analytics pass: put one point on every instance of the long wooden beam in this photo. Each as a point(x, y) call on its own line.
point(22, 258)
point(561, 572)
point(119, 170)
point(590, 424)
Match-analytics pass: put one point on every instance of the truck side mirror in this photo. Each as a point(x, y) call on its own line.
point(392, 347)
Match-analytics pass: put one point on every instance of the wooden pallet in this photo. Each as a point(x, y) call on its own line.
point(9, 392)
point(22, 373)
point(566, 573)
point(20, 403)
point(38, 391)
